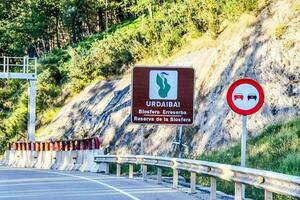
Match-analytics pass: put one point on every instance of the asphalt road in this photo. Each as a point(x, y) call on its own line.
point(32, 184)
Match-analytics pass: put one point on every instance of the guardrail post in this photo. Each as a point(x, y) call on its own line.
point(106, 168)
point(159, 179)
point(268, 195)
point(118, 169)
point(238, 195)
point(175, 178)
point(193, 182)
point(213, 188)
point(130, 170)
point(145, 172)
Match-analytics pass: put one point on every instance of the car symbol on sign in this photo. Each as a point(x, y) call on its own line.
point(252, 96)
point(238, 96)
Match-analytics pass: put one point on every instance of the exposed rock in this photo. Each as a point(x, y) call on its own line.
point(242, 50)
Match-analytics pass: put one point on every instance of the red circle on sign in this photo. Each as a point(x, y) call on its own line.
point(256, 86)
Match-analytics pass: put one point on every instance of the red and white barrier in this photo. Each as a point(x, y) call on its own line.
point(85, 156)
point(18, 156)
point(6, 155)
point(79, 159)
point(73, 156)
point(40, 155)
point(64, 155)
point(67, 161)
point(30, 155)
point(12, 155)
point(57, 155)
point(47, 157)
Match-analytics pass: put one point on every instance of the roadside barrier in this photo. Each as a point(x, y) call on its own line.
point(47, 157)
point(18, 159)
point(67, 160)
point(62, 159)
point(73, 156)
point(29, 155)
point(40, 156)
point(93, 166)
point(57, 155)
point(79, 158)
point(268, 181)
point(6, 155)
point(85, 150)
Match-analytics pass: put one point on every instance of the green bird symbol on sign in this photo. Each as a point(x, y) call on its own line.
point(164, 86)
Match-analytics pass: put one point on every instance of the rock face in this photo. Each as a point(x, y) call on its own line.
point(265, 48)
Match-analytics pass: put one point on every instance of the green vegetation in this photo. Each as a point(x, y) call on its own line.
point(280, 30)
point(276, 149)
point(74, 50)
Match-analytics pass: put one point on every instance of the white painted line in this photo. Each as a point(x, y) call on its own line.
point(92, 180)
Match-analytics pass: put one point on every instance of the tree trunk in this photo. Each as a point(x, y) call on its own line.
point(57, 32)
point(150, 10)
point(101, 23)
point(120, 14)
point(73, 32)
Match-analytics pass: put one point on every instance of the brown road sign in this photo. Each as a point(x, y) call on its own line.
point(162, 95)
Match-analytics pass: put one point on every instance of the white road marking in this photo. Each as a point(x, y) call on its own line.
point(92, 180)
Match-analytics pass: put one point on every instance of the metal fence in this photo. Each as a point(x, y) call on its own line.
point(270, 182)
point(18, 65)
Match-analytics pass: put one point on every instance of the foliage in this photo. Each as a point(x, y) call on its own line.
point(137, 29)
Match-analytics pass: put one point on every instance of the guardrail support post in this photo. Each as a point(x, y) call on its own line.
point(145, 172)
point(130, 170)
point(159, 179)
point(213, 188)
point(175, 178)
point(268, 195)
point(238, 194)
point(107, 168)
point(193, 182)
point(118, 169)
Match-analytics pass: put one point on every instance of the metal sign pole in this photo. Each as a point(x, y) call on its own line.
point(180, 142)
point(31, 109)
point(142, 141)
point(142, 147)
point(243, 149)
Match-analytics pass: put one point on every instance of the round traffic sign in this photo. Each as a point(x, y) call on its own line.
point(245, 96)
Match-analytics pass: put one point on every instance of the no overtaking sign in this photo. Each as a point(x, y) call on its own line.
point(162, 95)
point(245, 96)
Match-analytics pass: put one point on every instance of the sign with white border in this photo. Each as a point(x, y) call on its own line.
point(245, 96)
point(162, 95)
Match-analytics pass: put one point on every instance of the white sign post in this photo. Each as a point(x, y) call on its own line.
point(245, 97)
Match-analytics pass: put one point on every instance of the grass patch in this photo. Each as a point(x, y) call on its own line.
point(276, 149)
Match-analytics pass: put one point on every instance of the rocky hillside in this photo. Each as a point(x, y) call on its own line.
point(265, 48)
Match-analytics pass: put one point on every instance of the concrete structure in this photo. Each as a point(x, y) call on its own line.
point(60, 155)
point(23, 68)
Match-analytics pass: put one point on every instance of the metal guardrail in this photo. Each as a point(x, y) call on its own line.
point(270, 182)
